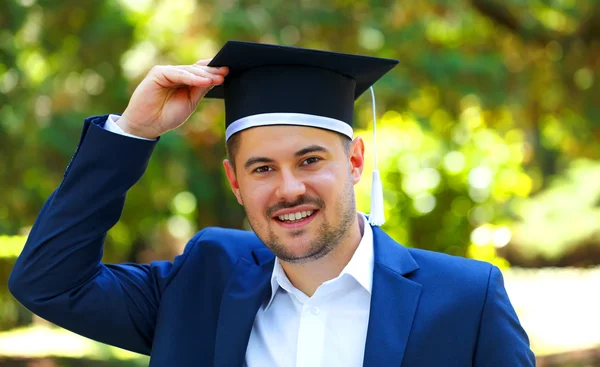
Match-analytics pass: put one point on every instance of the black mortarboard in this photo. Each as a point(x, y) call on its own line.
point(278, 85)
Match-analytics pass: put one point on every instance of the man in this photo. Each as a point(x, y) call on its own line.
point(314, 284)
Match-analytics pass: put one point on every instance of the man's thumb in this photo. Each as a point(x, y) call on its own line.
point(197, 93)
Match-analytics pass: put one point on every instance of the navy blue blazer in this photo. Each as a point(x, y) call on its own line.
point(427, 309)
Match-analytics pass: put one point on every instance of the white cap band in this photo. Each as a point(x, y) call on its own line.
point(300, 119)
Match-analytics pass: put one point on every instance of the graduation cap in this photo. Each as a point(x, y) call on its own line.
point(279, 85)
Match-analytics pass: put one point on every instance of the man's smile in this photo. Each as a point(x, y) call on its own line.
point(295, 218)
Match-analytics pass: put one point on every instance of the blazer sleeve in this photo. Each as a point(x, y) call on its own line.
point(502, 341)
point(60, 276)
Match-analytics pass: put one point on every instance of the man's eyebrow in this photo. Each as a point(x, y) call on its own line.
point(254, 160)
point(311, 149)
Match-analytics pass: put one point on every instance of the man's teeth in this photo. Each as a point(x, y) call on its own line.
point(295, 216)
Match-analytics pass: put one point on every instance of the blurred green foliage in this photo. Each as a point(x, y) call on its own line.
point(488, 128)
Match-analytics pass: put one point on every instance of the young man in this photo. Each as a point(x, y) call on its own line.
point(314, 284)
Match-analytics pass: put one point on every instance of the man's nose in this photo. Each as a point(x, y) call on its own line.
point(290, 187)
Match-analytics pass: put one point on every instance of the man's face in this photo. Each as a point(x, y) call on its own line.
point(296, 185)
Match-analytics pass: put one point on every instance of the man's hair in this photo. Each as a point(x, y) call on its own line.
point(233, 145)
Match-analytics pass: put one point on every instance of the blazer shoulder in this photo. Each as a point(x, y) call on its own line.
point(232, 243)
point(450, 261)
point(443, 268)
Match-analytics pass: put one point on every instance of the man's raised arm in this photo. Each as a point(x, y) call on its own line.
point(60, 275)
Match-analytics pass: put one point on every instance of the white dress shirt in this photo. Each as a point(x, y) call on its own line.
point(111, 126)
point(328, 329)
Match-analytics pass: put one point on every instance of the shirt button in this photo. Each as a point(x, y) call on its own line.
point(315, 310)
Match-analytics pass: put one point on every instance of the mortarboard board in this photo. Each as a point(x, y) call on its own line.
point(279, 85)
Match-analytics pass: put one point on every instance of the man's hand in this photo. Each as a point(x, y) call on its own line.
point(167, 96)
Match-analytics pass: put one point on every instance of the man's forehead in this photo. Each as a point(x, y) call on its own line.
point(281, 136)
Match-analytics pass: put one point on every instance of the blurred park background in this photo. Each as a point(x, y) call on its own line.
point(488, 130)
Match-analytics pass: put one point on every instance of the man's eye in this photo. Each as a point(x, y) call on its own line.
point(262, 169)
point(311, 160)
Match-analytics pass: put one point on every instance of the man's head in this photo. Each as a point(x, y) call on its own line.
point(279, 171)
point(287, 113)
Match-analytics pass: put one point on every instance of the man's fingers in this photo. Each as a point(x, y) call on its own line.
point(203, 62)
point(204, 71)
point(170, 76)
point(198, 93)
point(223, 70)
point(217, 70)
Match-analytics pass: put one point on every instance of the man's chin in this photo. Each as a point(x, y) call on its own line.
point(299, 257)
point(297, 233)
point(299, 252)
point(293, 249)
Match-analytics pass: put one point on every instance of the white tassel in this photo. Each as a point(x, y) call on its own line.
point(377, 215)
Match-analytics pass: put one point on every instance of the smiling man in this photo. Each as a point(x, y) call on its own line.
point(314, 284)
point(298, 194)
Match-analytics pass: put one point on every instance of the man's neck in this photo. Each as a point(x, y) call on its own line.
point(308, 277)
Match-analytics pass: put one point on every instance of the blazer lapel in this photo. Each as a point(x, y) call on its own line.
point(394, 302)
point(247, 289)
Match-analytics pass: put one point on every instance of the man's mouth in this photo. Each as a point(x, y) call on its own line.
point(296, 217)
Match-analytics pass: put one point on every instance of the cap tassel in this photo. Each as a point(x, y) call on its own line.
point(376, 216)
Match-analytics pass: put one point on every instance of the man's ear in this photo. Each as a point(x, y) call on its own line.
point(233, 182)
point(357, 159)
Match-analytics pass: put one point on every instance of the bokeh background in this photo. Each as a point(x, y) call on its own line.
point(488, 140)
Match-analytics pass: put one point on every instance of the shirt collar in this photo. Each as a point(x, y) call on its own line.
point(360, 266)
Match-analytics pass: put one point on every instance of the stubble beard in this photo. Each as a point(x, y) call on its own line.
point(328, 236)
